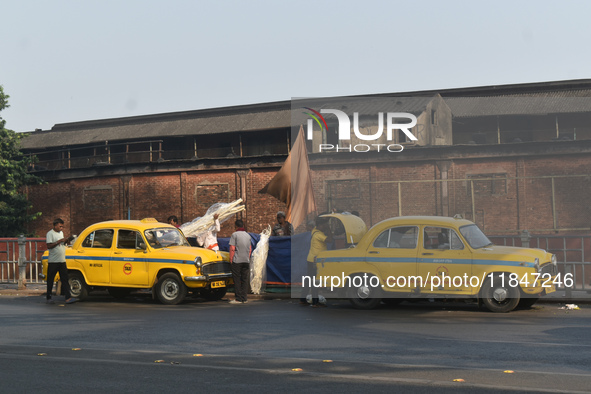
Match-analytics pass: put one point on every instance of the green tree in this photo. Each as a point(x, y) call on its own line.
point(14, 206)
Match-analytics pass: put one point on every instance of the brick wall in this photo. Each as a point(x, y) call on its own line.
point(82, 202)
point(503, 205)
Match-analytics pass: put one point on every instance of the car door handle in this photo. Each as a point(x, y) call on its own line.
point(81, 251)
point(374, 252)
point(115, 252)
point(427, 254)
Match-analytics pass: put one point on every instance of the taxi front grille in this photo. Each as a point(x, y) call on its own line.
point(549, 268)
point(220, 267)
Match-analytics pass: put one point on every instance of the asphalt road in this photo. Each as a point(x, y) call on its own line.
point(103, 345)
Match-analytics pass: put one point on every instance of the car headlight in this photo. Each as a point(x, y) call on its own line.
point(553, 259)
point(537, 264)
point(198, 262)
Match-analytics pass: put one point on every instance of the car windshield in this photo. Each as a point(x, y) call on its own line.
point(165, 237)
point(474, 236)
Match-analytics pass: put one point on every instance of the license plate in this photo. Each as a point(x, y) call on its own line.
point(219, 283)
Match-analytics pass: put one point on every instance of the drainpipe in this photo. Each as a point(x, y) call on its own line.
point(525, 238)
point(22, 264)
point(444, 167)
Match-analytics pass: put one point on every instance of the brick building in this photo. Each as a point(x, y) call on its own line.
point(508, 157)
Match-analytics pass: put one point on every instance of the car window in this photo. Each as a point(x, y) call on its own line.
point(129, 239)
point(474, 236)
point(99, 239)
point(165, 237)
point(441, 238)
point(397, 238)
point(455, 241)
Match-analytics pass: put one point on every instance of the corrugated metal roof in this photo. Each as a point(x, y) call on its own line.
point(365, 106)
point(533, 104)
point(206, 122)
point(368, 105)
point(540, 98)
point(90, 132)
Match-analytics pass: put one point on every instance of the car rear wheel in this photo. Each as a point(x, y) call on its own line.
point(362, 295)
point(170, 289)
point(498, 296)
point(78, 287)
point(213, 294)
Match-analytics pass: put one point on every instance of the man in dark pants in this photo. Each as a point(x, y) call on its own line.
point(240, 250)
point(321, 234)
point(56, 245)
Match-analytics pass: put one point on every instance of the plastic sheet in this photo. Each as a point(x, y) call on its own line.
point(201, 225)
point(258, 265)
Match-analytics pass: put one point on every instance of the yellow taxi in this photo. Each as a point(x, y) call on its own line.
point(431, 256)
point(121, 255)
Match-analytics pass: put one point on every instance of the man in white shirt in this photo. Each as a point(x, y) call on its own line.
point(56, 245)
point(209, 239)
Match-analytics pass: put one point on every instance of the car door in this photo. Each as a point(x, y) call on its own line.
point(444, 262)
point(94, 255)
point(128, 261)
point(394, 253)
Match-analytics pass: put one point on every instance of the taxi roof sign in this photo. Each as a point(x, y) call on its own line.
point(149, 220)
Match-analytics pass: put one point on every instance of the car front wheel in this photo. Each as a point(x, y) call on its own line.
point(170, 289)
point(498, 296)
point(362, 295)
point(78, 286)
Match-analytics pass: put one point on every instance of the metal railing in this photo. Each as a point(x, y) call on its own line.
point(99, 155)
point(573, 254)
point(12, 263)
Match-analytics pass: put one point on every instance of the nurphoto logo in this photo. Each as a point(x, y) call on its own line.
point(344, 130)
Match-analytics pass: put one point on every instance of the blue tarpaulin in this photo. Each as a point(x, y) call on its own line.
point(286, 255)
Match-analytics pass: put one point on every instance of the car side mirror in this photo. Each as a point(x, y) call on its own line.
point(142, 246)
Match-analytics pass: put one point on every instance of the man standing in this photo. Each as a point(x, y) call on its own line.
point(209, 239)
point(321, 234)
point(240, 250)
point(56, 245)
point(282, 227)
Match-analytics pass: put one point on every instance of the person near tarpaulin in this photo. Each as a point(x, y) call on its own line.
point(240, 252)
point(209, 240)
point(174, 221)
point(282, 227)
point(321, 235)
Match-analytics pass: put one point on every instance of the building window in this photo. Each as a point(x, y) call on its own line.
point(208, 194)
point(263, 143)
point(493, 184)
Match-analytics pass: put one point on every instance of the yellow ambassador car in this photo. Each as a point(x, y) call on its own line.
point(429, 256)
point(122, 255)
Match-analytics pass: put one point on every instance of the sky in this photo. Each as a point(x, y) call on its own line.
point(65, 61)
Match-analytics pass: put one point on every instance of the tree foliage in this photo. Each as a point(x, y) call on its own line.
point(14, 205)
